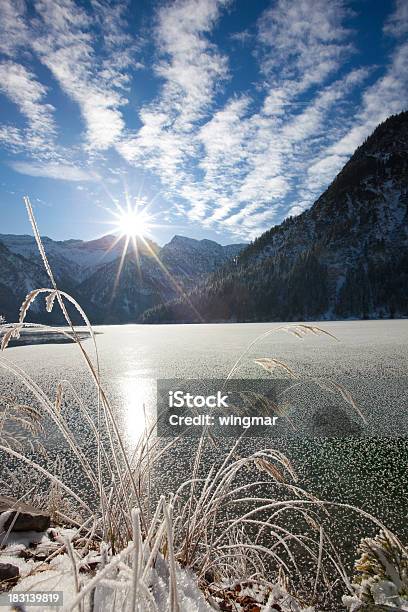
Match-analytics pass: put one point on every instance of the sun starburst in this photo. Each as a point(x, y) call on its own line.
point(133, 222)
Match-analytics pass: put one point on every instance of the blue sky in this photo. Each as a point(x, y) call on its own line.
point(222, 116)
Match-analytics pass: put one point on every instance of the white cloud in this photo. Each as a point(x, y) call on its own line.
point(312, 120)
point(303, 41)
point(13, 31)
point(65, 44)
point(242, 37)
point(12, 138)
point(241, 159)
point(276, 151)
point(88, 65)
point(224, 152)
point(324, 170)
point(247, 222)
point(191, 69)
point(22, 88)
point(56, 171)
point(386, 96)
point(221, 140)
point(397, 23)
point(191, 65)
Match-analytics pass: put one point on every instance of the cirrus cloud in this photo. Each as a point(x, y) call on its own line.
point(60, 172)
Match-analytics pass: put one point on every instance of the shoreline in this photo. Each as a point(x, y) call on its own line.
point(33, 335)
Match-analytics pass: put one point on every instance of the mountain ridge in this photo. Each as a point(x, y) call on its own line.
point(89, 271)
point(343, 257)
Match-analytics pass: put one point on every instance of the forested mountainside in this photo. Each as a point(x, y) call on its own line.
point(344, 257)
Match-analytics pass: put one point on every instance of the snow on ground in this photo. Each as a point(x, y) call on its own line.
point(108, 582)
point(113, 592)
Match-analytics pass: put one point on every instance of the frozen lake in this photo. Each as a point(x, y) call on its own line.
point(372, 356)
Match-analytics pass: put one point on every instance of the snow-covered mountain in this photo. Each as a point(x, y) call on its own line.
point(149, 278)
point(18, 276)
point(347, 256)
point(149, 275)
point(76, 258)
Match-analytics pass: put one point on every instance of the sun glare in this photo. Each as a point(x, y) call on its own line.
point(133, 223)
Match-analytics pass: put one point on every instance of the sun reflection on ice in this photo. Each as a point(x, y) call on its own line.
point(139, 397)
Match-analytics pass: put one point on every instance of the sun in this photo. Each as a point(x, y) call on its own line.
point(133, 223)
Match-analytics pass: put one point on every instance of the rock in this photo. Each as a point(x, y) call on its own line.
point(8, 572)
point(28, 518)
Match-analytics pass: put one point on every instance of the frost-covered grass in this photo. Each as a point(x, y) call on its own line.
point(242, 532)
point(381, 574)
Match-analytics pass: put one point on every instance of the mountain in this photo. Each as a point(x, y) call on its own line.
point(344, 257)
point(88, 270)
point(114, 297)
point(18, 276)
point(188, 258)
point(150, 278)
point(68, 258)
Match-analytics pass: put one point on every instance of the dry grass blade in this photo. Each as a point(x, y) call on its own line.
point(38, 239)
point(46, 473)
point(49, 300)
point(20, 425)
point(333, 387)
point(299, 330)
point(58, 397)
point(29, 299)
point(270, 365)
point(12, 332)
point(269, 468)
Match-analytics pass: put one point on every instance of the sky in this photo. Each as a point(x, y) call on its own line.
point(219, 118)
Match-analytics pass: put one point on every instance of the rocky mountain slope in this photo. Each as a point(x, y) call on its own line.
point(344, 257)
point(188, 257)
point(149, 275)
